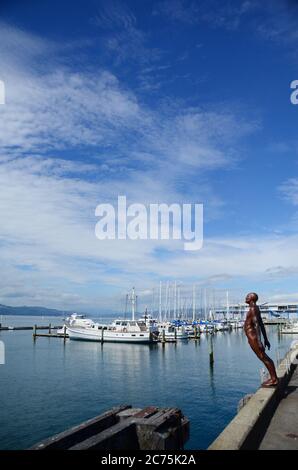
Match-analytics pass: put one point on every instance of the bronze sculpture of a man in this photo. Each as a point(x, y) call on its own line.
point(253, 328)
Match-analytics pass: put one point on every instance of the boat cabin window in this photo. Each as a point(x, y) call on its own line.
point(142, 326)
point(124, 323)
point(118, 322)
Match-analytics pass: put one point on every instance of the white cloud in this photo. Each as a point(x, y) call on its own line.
point(63, 109)
point(289, 190)
point(270, 19)
point(113, 14)
point(123, 40)
point(217, 13)
point(71, 140)
point(281, 297)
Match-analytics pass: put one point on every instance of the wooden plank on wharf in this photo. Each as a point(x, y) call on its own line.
point(83, 431)
point(124, 427)
point(167, 429)
point(121, 435)
point(145, 412)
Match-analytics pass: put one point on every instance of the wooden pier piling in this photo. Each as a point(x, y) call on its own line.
point(197, 332)
point(123, 428)
point(163, 337)
point(211, 354)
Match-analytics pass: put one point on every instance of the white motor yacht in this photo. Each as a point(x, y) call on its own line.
point(75, 320)
point(119, 331)
point(122, 331)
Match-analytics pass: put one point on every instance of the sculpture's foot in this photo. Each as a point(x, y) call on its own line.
point(270, 383)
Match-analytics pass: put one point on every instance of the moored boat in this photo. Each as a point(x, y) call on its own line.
point(120, 331)
point(75, 320)
point(206, 327)
point(170, 331)
point(290, 328)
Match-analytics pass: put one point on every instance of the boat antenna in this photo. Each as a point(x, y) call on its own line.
point(126, 301)
point(159, 306)
point(137, 303)
point(133, 303)
point(193, 302)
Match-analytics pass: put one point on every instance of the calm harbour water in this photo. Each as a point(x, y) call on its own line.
point(47, 386)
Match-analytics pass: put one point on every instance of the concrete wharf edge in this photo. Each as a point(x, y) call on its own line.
point(248, 427)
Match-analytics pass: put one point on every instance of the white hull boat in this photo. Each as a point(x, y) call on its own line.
point(221, 326)
point(77, 321)
point(290, 328)
point(172, 332)
point(120, 331)
point(206, 328)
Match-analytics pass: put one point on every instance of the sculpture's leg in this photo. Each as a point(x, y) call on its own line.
point(267, 361)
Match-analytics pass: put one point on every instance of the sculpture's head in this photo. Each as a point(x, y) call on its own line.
point(251, 297)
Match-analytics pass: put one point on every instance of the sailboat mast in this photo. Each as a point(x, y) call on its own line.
point(166, 300)
point(175, 299)
point(228, 306)
point(133, 304)
point(193, 302)
point(160, 301)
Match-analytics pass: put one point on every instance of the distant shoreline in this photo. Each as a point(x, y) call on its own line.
point(27, 311)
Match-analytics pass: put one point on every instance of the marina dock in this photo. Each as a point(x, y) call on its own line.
point(274, 321)
point(25, 328)
point(269, 418)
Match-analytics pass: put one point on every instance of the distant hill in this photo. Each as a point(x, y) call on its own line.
point(32, 311)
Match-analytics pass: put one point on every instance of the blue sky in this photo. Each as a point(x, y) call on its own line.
point(163, 101)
